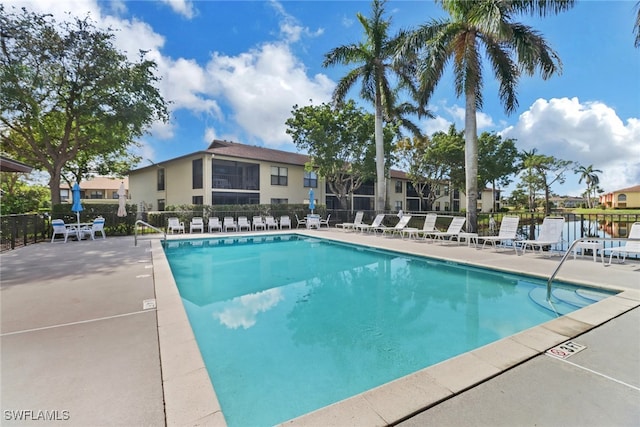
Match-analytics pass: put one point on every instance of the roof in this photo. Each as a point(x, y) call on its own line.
point(10, 165)
point(234, 149)
point(634, 189)
point(100, 183)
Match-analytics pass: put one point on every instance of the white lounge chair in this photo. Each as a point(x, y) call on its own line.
point(630, 246)
point(550, 234)
point(214, 224)
point(258, 223)
point(454, 229)
point(508, 231)
point(197, 223)
point(175, 225)
point(377, 222)
point(351, 225)
point(59, 227)
point(398, 228)
point(285, 221)
point(229, 223)
point(271, 223)
point(428, 226)
point(97, 226)
point(243, 223)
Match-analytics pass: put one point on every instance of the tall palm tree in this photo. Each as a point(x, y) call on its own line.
point(374, 66)
point(636, 27)
point(590, 176)
point(475, 28)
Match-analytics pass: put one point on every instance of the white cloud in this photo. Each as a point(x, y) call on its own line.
point(262, 86)
point(209, 135)
point(242, 311)
point(181, 7)
point(290, 29)
point(589, 133)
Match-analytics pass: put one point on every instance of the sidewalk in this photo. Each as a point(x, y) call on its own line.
point(77, 345)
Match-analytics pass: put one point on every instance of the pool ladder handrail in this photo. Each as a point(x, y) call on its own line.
point(568, 252)
point(146, 224)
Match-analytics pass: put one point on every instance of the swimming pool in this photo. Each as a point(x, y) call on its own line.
point(289, 324)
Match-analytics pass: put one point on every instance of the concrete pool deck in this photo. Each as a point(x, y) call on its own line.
point(78, 344)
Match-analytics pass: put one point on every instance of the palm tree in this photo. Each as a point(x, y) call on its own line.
point(475, 28)
point(590, 176)
point(374, 64)
point(636, 27)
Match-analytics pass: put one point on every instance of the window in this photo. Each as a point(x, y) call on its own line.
point(311, 179)
point(398, 203)
point(279, 201)
point(161, 179)
point(114, 195)
point(446, 206)
point(446, 190)
point(398, 186)
point(235, 175)
point(95, 194)
point(456, 195)
point(197, 200)
point(437, 207)
point(622, 197)
point(229, 198)
point(196, 174)
point(160, 204)
point(279, 176)
point(65, 195)
point(437, 190)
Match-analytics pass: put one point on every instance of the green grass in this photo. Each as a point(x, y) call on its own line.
point(606, 211)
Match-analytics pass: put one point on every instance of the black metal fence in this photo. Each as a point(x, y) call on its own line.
point(21, 230)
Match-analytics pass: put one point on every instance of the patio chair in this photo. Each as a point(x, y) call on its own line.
point(258, 223)
point(454, 229)
point(550, 234)
point(59, 227)
point(377, 222)
point(243, 223)
point(398, 228)
point(300, 222)
point(175, 225)
point(508, 231)
point(197, 223)
point(98, 225)
point(214, 224)
point(271, 223)
point(229, 223)
point(351, 225)
point(325, 221)
point(285, 221)
point(630, 246)
point(428, 226)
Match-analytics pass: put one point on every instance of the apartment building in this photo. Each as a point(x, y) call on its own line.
point(233, 173)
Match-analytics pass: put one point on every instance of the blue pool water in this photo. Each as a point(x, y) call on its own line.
point(289, 324)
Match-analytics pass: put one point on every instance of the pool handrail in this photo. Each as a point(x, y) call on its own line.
point(146, 224)
point(568, 252)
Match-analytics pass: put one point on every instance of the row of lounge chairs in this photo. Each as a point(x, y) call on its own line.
point(550, 232)
point(229, 224)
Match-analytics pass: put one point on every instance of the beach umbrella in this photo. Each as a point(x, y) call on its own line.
point(77, 205)
point(312, 202)
point(122, 199)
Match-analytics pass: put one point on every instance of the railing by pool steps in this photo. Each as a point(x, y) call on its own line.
point(571, 247)
point(146, 224)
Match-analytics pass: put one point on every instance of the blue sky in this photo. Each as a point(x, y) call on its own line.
point(234, 69)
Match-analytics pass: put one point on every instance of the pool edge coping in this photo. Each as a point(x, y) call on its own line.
point(183, 369)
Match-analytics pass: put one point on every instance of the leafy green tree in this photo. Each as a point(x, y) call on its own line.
point(19, 196)
point(497, 161)
point(68, 95)
point(542, 172)
point(477, 28)
point(374, 58)
point(590, 176)
point(338, 140)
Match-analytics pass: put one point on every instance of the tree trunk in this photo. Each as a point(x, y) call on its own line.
point(471, 160)
point(379, 139)
point(54, 186)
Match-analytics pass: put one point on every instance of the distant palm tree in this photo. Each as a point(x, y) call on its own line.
point(636, 27)
point(374, 64)
point(590, 176)
point(475, 28)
